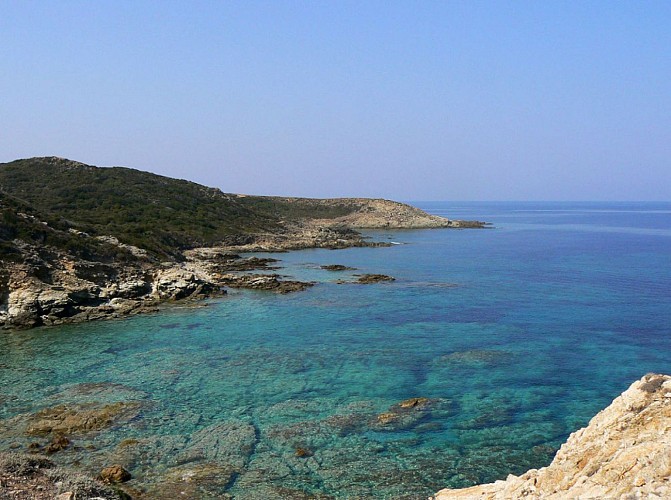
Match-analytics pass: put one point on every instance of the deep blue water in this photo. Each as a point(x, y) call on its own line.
point(517, 335)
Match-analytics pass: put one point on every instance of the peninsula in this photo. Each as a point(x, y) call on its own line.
point(80, 243)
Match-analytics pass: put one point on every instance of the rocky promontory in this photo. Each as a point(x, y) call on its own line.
point(624, 452)
point(80, 243)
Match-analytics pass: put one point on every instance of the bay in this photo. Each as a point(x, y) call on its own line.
point(511, 337)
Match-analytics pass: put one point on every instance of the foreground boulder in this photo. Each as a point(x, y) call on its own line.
point(624, 452)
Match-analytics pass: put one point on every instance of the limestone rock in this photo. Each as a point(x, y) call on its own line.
point(625, 451)
point(133, 288)
point(178, 283)
point(23, 308)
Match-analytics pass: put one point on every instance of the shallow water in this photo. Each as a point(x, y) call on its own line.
point(516, 336)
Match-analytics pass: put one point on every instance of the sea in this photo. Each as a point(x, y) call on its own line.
point(478, 361)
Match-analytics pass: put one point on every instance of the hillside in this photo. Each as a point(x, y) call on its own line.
point(166, 216)
point(159, 214)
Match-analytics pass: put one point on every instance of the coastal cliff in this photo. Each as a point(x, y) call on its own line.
point(624, 452)
point(79, 242)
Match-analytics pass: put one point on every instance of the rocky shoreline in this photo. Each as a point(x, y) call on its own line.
point(81, 243)
point(36, 477)
point(52, 287)
point(624, 452)
point(79, 291)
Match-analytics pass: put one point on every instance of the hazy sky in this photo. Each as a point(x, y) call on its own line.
point(413, 100)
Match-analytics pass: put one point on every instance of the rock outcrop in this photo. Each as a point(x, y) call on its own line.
point(624, 452)
point(337, 268)
point(115, 474)
point(69, 290)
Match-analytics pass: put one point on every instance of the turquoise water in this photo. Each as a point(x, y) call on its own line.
point(516, 335)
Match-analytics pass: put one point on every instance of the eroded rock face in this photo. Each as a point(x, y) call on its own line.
point(624, 452)
point(177, 283)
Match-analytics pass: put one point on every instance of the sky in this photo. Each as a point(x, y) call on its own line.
point(408, 100)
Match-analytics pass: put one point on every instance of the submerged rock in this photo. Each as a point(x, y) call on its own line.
point(414, 402)
point(337, 267)
point(303, 452)
point(230, 443)
point(374, 278)
point(404, 415)
point(198, 480)
point(58, 443)
point(476, 357)
point(623, 452)
point(71, 419)
point(115, 474)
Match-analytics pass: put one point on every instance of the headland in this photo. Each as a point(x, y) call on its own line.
point(81, 243)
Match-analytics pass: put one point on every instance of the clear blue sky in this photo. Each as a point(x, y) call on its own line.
point(414, 100)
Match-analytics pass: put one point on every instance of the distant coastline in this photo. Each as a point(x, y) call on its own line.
point(83, 243)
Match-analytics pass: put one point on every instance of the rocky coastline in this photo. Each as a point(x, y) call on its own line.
point(624, 452)
point(81, 243)
point(63, 290)
point(49, 286)
point(54, 287)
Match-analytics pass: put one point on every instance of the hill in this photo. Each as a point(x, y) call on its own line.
point(159, 214)
point(166, 216)
point(79, 242)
